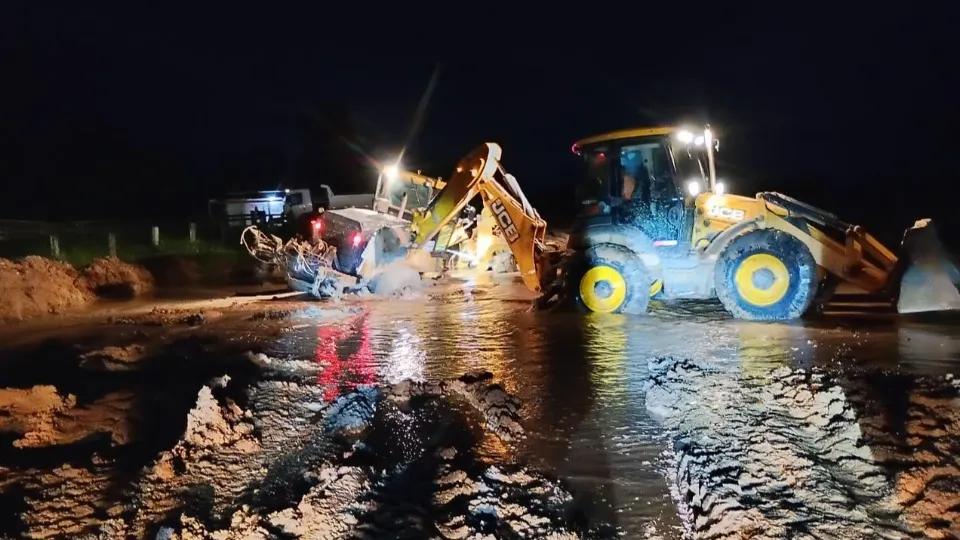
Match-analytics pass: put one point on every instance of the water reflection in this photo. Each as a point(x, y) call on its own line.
point(581, 379)
point(345, 353)
point(406, 355)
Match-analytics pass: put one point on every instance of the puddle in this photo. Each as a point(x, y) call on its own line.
point(684, 422)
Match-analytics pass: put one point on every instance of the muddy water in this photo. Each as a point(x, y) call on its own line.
point(888, 405)
point(681, 423)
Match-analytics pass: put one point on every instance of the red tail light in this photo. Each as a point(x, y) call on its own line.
point(318, 225)
point(357, 238)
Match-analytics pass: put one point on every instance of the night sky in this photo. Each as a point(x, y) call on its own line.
point(129, 111)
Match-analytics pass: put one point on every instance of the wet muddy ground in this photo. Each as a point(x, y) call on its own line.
point(460, 413)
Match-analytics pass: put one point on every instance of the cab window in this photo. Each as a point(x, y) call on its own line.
point(595, 176)
point(295, 199)
point(646, 172)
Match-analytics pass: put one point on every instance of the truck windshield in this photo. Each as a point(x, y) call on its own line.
point(691, 163)
point(418, 195)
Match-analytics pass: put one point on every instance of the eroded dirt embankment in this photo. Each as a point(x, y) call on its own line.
point(780, 453)
point(36, 286)
point(261, 451)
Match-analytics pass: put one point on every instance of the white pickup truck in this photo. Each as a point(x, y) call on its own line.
point(303, 201)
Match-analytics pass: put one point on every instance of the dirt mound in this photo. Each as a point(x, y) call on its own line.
point(113, 358)
point(38, 286)
point(45, 418)
point(171, 271)
point(558, 237)
point(110, 277)
point(403, 464)
point(214, 423)
point(500, 410)
point(169, 317)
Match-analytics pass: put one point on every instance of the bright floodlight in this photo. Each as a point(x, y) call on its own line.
point(693, 188)
point(685, 136)
point(719, 188)
point(391, 172)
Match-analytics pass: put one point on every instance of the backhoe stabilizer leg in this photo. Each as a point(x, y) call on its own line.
point(930, 279)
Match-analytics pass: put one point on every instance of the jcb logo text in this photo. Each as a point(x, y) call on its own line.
point(722, 212)
point(505, 222)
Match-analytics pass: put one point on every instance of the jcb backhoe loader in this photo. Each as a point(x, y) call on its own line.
point(350, 247)
point(519, 224)
point(656, 222)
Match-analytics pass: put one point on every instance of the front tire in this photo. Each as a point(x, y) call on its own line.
point(766, 275)
point(613, 280)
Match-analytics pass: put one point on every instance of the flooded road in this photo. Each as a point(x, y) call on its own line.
point(683, 423)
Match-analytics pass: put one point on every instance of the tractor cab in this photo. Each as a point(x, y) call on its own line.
point(646, 178)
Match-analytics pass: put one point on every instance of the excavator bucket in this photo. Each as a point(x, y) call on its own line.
point(930, 280)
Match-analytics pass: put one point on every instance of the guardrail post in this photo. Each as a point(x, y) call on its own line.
point(54, 246)
point(155, 236)
point(112, 244)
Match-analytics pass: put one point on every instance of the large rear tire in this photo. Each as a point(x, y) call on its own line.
point(766, 275)
point(613, 279)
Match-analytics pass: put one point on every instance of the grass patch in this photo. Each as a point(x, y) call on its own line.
point(79, 254)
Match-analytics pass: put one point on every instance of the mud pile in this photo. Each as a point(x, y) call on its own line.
point(42, 416)
point(111, 277)
point(172, 271)
point(37, 286)
point(169, 317)
point(389, 462)
point(918, 445)
point(758, 452)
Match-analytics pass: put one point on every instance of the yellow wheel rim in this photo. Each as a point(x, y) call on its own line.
point(762, 279)
point(603, 289)
point(656, 287)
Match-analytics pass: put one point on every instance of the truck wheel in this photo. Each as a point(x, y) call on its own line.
point(613, 280)
point(766, 275)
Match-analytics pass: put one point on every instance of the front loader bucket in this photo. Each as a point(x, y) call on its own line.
point(929, 282)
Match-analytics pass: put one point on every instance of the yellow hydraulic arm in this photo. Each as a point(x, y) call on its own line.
point(480, 173)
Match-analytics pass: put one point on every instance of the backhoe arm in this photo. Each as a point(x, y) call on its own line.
point(520, 225)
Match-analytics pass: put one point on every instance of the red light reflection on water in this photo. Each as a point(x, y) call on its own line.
point(345, 355)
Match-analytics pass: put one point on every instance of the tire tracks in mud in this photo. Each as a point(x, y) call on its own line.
point(269, 456)
point(787, 453)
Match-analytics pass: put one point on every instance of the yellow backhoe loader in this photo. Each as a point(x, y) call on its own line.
point(656, 222)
